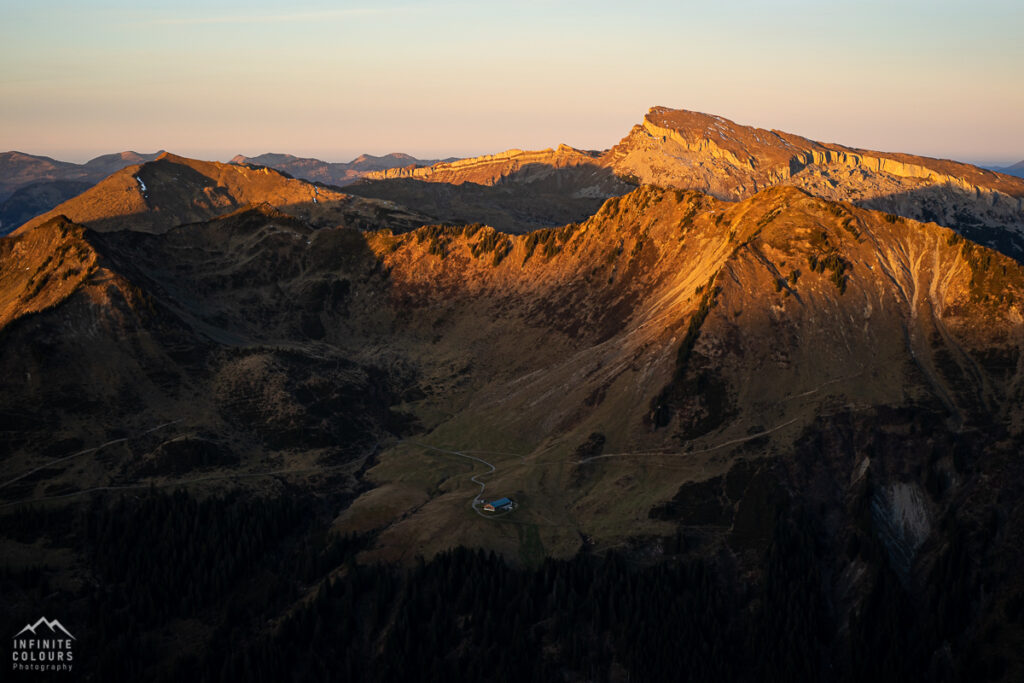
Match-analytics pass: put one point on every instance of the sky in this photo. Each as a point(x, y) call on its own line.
point(215, 78)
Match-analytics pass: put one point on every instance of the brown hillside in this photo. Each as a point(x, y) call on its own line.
point(670, 380)
point(678, 326)
point(173, 190)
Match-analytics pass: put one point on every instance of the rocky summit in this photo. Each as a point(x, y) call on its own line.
point(690, 150)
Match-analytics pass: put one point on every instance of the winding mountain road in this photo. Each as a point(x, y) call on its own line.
point(478, 497)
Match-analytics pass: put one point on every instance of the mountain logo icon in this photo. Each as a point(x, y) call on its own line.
point(54, 626)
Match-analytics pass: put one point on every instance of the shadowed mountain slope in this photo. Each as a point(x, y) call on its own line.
point(33, 200)
point(18, 169)
point(683, 321)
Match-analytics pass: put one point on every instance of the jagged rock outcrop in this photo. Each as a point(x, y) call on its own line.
point(770, 157)
point(678, 148)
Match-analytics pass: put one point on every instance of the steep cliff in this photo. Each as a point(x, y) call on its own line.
point(677, 148)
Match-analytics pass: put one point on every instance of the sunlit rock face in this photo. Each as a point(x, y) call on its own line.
point(677, 148)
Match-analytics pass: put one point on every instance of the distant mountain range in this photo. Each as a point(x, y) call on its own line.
point(1016, 169)
point(31, 185)
point(18, 169)
point(331, 173)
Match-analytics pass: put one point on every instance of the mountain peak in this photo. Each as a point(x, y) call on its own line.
point(692, 150)
point(174, 190)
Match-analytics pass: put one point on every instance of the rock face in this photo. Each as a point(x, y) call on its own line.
point(172, 191)
point(339, 174)
point(690, 150)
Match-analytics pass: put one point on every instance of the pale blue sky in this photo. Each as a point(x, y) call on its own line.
point(215, 78)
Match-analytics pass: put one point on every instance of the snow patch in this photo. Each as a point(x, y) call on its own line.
point(907, 505)
point(142, 185)
point(861, 470)
point(903, 523)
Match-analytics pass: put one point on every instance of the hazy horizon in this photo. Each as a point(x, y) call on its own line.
point(86, 157)
point(212, 80)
